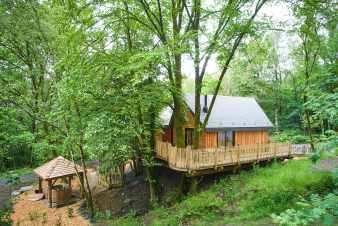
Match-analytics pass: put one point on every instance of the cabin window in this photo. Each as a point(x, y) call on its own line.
point(222, 139)
point(229, 138)
point(188, 136)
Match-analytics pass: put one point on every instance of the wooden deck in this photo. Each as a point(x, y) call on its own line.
point(188, 160)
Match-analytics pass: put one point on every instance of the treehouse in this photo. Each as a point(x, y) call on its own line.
point(233, 121)
point(237, 133)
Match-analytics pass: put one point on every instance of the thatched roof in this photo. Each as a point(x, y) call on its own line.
point(57, 167)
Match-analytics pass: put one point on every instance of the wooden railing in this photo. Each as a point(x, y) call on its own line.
point(186, 159)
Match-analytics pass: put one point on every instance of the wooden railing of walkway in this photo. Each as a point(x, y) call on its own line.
point(188, 160)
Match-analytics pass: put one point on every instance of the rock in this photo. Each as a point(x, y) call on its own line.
point(36, 197)
point(26, 188)
point(16, 193)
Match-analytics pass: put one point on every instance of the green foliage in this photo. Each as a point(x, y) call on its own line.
point(5, 214)
point(314, 210)
point(317, 209)
point(13, 176)
point(292, 136)
point(107, 219)
point(277, 187)
point(128, 220)
point(70, 212)
point(315, 157)
point(5, 218)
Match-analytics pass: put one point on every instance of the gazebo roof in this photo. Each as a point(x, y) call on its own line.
point(57, 167)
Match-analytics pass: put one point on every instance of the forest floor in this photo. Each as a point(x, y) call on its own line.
point(37, 213)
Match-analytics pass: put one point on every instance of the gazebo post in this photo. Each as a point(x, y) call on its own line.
point(50, 193)
point(40, 185)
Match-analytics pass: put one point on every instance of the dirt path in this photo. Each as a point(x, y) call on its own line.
point(36, 213)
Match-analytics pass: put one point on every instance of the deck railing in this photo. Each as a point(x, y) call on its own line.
point(186, 159)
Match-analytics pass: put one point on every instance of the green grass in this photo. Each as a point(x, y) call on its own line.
point(245, 199)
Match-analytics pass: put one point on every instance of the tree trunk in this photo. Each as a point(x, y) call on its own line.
point(179, 119)
point(276, 120)
point(89, 196)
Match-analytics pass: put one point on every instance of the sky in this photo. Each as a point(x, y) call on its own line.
point(278, 13)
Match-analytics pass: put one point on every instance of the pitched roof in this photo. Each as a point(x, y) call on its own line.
point(57, 167)
point(229, 112)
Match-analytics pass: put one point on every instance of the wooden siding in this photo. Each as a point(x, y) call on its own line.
point(218, 138)
point(251, 137)
point(167, 135)
point(209, 140)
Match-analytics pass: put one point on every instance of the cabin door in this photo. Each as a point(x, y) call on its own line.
point(188, 136)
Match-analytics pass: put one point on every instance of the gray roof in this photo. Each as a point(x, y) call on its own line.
point(228, 112)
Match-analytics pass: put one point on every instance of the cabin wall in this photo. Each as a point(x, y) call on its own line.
point(209, 140)
point(220, 138)
point(251, 137)
point(167, 135)
point(188, 124)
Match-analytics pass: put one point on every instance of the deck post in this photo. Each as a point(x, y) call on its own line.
point(188, 157)
point(215, 158)
point(50, 193)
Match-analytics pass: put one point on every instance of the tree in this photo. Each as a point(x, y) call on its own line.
point(25, 55)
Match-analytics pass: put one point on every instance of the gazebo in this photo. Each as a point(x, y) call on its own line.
point(56, 169)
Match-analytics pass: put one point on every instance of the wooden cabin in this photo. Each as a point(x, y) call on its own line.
point(233, 121)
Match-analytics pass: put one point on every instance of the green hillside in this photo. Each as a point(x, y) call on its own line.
point(249, 198)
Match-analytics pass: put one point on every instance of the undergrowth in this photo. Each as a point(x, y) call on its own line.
point(245, 199)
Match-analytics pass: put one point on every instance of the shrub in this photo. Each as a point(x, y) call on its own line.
point(316, 209)
point(292, 136)
point(70, 212)
point(5, 218)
